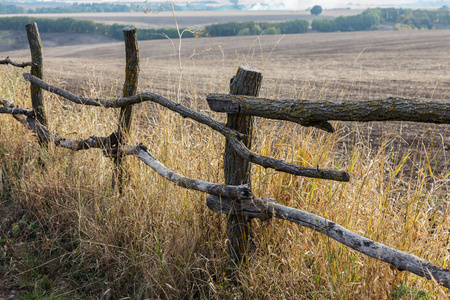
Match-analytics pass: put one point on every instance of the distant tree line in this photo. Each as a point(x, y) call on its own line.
point(11, 9)
point(417, 18)
point(256, 28)
point(402, 18)
point(366, 20)
point(74, 8)
point(113, 7)
point(70, 25)
point(369, 19)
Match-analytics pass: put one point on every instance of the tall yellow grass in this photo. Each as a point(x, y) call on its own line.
point(157, 240)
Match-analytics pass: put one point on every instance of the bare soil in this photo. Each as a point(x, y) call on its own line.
point(348, 66)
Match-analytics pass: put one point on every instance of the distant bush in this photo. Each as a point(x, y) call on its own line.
point(400, 26)
point(324, 25)
point(272, 30)
point(415, 19)
point(255, 28)
point(364, 21)
point(294, 26)
point(244, 31)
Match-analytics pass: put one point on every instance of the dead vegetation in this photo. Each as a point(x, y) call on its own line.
point(65, 233)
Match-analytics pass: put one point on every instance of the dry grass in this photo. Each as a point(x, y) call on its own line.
point(79, 238)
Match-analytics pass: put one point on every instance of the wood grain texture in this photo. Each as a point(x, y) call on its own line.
point(126, 112)
point(310, 113)
point(266, 208)
point(37, 69)
point(234, 137)
point(237, 168)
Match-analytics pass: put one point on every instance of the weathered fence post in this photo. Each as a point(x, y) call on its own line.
point(247, 81)
point(37, 69)
point(129, 89)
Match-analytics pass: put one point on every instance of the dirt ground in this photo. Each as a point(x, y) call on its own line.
point(345, 66)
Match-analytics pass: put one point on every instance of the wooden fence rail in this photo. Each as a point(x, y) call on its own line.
point(235, 198)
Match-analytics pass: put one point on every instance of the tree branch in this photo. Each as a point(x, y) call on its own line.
point(7, 60)
point(9, 108)
point(233, 136)
point(140, 151)
point(232, 191)
point(264, 209)
point(317, 113)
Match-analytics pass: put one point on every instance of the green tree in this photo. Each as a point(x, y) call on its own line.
point(316, 10)
point(294, 26)
point(244, 31)
point(272, 30)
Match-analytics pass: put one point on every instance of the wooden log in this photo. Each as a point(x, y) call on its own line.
point(37, 69)
point(231, 191)
point(231, 135)
point(264, 209)
point(247, 81)
point(9, 108)
point(129, 89)
point(109, 146)
point(311, 113)
point(7, 61)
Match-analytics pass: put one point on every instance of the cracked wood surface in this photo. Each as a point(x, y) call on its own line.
point(318, 113)
point(234, 137)
point(264, 209)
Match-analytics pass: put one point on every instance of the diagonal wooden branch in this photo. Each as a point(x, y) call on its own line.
point(263, 209)
point(7, 60)
point(9, 108)
point(140, 151)
point(232, 191)
point(233, 136)
point(314, 113)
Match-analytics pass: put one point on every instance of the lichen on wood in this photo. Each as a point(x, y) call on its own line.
point(267, 208)
point(37, 69)
point(129, 89)
point(318, 113)
point(235, 138)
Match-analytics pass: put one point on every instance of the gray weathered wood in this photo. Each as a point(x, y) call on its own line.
point(109, 146)
point(7, 61)
point(231, 135)
point(223, 190)
point(311, 113)
point(9, 108)
point(264, 209)
point(129, 89)
point(237, 169)
point(37, 69)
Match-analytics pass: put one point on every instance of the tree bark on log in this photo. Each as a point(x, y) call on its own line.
point(109, 146)
point(222, 190)
point(264, 209)
point(237, 169)
point(129, 89)
point(312, 113)
point(37, 69)
point(232, 135)
point(9, 108)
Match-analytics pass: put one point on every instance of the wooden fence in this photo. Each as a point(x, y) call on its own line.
point(235, 197)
